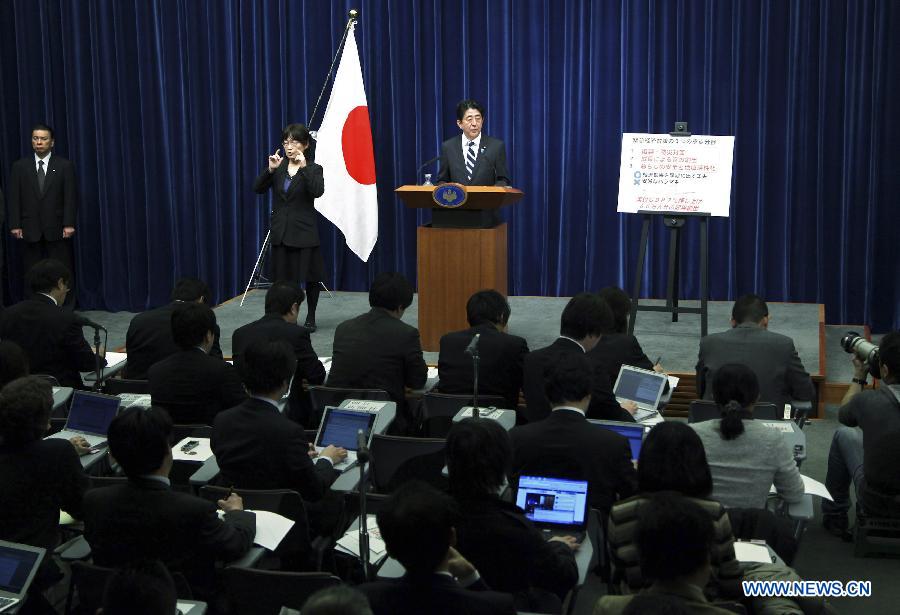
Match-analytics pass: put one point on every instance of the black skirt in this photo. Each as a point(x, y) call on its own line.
point(297, 264)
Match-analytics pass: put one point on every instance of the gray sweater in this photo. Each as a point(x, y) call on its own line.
point(745, 468)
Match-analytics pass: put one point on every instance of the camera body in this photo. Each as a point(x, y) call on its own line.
point(866, 351)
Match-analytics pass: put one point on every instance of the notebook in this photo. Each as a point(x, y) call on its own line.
point(18, 565)
point(635, 433)
point(339, 427)
point(557, 506)
point(642, 386)
point(89, 417)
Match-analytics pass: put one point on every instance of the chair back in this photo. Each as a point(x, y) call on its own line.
point(117, 386)
point(396, 460)
point(264, 592)
point(322, 396)
point(51, 379)
point(89, 581)
point(438, 410)
point(704, 410)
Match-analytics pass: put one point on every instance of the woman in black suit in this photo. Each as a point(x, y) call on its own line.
point(296, 181)
point(617, 347)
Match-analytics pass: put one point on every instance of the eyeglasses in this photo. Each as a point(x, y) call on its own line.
point(290, 142)
point(40, 139)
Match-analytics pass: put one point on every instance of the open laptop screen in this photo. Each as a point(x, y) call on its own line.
point(340, 426)
point(15, 568)
point(91, 412)
point(633, 431)
point(549, 501)
point(640, 386)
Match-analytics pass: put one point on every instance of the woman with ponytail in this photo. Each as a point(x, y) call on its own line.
point(745, 457)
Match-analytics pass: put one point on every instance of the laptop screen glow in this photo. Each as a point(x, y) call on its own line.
point(641, 386)
point(15, 568)
point(340, 427)
point(552, 501)
point(634, 433)
point(92, 413)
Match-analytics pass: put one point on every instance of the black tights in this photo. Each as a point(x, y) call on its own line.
point(312, 300)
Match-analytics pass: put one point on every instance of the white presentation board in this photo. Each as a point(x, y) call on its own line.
point(675, 174)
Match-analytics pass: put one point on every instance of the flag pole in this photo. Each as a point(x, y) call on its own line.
point(352, 18)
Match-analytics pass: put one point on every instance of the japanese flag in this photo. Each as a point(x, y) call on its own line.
point(344, 149)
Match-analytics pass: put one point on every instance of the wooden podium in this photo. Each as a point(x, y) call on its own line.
point(463, 251)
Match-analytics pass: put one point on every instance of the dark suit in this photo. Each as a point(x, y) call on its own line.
point(490, 163)
point(499, 369)
point(604, 457)
point(273, 327)
point(194, 386)
point(437, 595)
point(771, 356)
point(617, 349)
point(149, 339)
point(538, 364)
point(37, 480)
point(42, 214)
point(51, 338)
point(144, 519)
point(256, 447)
point(377, 351)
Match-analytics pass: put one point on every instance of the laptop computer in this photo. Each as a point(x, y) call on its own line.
point(339, 427)
point(556, 506)
point(89, 416)
point(642, 386)
point(18, 565)
point(635, 433)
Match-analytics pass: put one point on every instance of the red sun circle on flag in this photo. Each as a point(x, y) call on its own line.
point(356, 140)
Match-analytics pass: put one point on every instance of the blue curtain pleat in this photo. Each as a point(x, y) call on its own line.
point(169, 109)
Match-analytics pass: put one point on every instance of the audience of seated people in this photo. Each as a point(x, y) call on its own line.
point(745, 456)
point(145, 519)
point(149, 338)
point(377, 350)
point(501, 355)
point(509, 552)
point(566, 444)
point(258, 447)
point(616, 347)
point(772, 356)
point(418, 525)
point(279, 322)
point(190, 384)
point(865, 449)
point(50, 336)
point(583, 321)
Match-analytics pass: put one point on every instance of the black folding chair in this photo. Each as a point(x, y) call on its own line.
point(117, 386)
point(704, 410)
point(396, 460)
point(438, 409)
point(322, 396)
point(264, 592)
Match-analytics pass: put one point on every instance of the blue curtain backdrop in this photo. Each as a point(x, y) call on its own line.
point(169, 108)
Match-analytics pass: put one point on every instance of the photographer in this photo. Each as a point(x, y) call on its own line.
point(866, 446)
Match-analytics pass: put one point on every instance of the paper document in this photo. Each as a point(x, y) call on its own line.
point(811, 487)
point(364, 405)
point(126, 400)
point(432, 373)
point(350, 541)
point(185, 608)
point(114, 358)
point(673, 382)
point(750, 552)
point(782, 426)
point(483, 413)
point(199, 453)
point(271, 528)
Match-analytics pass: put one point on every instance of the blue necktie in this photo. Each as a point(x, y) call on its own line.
point(470, 160)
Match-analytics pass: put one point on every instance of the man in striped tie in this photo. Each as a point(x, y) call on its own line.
point(473, 158)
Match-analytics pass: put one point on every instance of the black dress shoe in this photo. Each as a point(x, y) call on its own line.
point(310, 325)
point(837, 525)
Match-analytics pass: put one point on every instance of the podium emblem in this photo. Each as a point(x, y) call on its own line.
point(449, 195)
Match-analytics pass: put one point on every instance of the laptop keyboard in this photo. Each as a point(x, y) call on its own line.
point(579, 536)
point(344, 465)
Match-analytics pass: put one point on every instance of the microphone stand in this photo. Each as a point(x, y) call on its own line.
point(362, 458)
point(98, 367)
point(476, 356)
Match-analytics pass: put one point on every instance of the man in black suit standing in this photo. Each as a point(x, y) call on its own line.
point(583, 321)
point(51, 337)
point(190, 384)
point(42, 201)
point(283, 301)
point(566, 438)
point(144, 519)
point(501, 354)
point(417, 525)
point(149, 337)
point(473, 158)
point(377, 350)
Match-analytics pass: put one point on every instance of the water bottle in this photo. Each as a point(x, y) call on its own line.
point(427, 180)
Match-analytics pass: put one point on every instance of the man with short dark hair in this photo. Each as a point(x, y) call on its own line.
point(145, 519)
point(473, 158)
point(583, 321)
point(337, 600)
point(149, 337)
point(377, 350)
point(771, 356)
point(565, 437)
point(190, 384)
point(42, 202)
point(283, 302)
point(501, 354)
point(865, 450)
point(417, 526)
point(50, 336)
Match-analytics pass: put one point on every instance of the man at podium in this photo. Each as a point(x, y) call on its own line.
point(473, 158)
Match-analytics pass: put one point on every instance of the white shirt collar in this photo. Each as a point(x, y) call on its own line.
point(55, 302)
point(571, 408)
point(46, 160)
point(465, 144)
point(572, 340)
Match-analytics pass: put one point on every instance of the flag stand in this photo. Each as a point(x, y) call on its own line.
point(257, 279)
